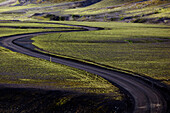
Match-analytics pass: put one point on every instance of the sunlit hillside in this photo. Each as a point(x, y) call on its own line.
point(130, 11)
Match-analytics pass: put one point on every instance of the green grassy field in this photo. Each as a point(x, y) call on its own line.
point(139, 48)
point(22, 24)
point(12, 31)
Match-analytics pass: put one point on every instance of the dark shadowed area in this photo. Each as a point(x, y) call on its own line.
point(18, 100)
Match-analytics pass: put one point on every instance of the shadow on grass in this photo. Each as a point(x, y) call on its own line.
point(18, 100)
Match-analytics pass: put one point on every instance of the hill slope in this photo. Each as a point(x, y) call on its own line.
point(137, 11)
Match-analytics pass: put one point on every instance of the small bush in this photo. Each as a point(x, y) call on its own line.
point(122, 18)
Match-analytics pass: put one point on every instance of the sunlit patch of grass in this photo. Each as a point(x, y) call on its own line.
point(4, 9)
point(12, 31)
point(63, 100)
point(11, 13)
point(161, 13)
point(103, 6)
point(31, 80)
point(143, 53)
point(126, 8)
point(150, 11)
point(20, 24)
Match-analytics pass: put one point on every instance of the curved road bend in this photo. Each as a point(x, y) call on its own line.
point(147, 99)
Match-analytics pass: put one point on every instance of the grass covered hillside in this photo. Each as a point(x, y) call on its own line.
point(130, 11)
point(138, 11)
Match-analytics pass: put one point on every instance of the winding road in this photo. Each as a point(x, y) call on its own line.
point(146, 99)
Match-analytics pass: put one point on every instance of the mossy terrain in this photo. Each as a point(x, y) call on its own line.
point(27, 24)
point(11, 31)
point(139, 48)
point(12, 28)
